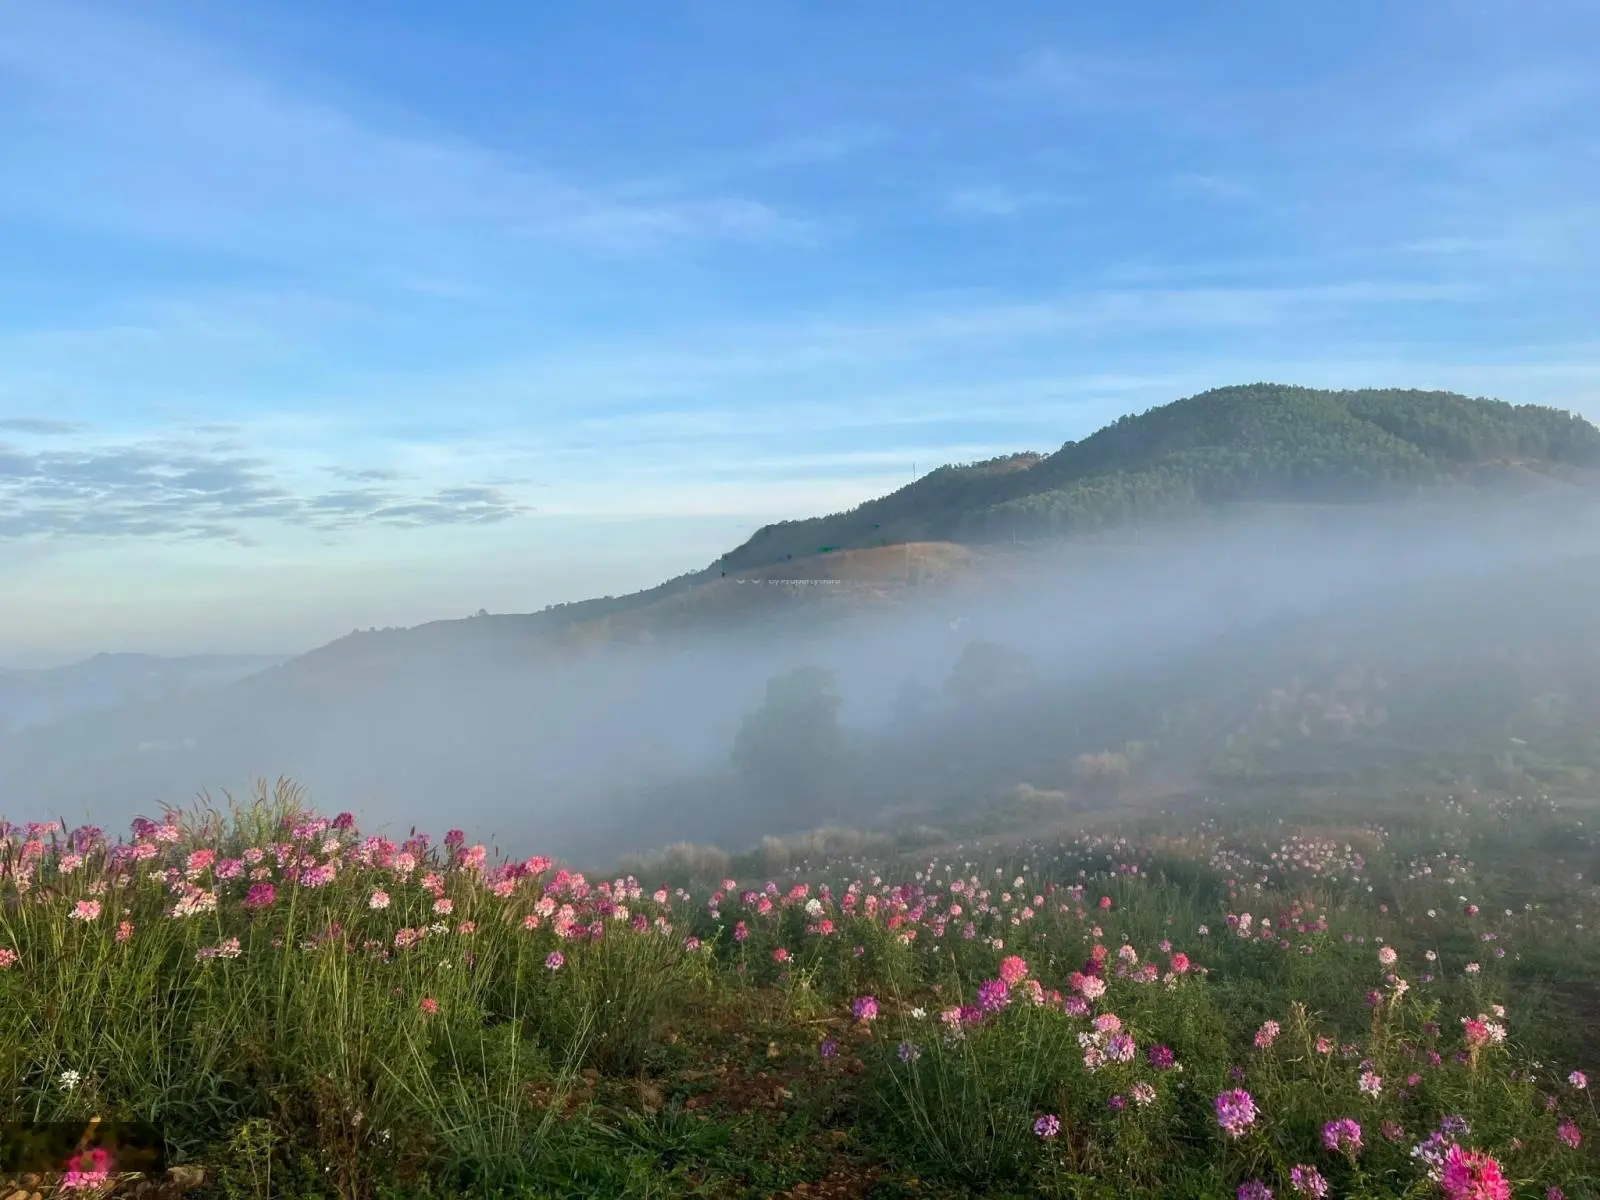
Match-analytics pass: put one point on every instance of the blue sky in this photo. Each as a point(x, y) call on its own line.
point(315, 316)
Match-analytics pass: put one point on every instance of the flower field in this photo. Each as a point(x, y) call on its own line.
point(1228, 1002)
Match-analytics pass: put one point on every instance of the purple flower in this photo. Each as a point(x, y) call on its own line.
point(1047, 1126)
point(829, 1048)
point(1308, 1181)
point(1343, 1134)
point(910, 1052)
point(1117, 1103)
point(1254, 1189)
point(993, 995)
point(1161, 1058)
point(1236, 1111)
point(865, 1008)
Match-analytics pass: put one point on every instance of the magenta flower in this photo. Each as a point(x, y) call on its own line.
point(1343, 1134)
point(993, 995)
point(1161, 1058)
point(261, 895)
point(1308, 1181)
point(1473, 1175)
point(1254, 1189)
point(865, 1008)
point(1236, 1111)
point(1569, 1133)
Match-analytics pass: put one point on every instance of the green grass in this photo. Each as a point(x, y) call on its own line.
point(701, 1040)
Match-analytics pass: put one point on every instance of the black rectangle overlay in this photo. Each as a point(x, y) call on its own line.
point(47, 1146)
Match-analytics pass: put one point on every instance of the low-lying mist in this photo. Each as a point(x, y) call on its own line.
point(929, 696)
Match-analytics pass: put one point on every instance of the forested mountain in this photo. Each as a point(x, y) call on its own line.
point(1260, 442)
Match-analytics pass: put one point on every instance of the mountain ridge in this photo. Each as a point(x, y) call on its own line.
point(1261, 442)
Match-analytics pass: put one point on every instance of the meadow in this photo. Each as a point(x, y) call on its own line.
point(1382, 998)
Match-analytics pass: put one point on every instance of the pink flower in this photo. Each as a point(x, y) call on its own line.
point(379, 899)
point(1308, 1181)
point(1047, 1126)
point(1343, 1134)
point(261, 895)
point(1578, 1080)
point(8, 959)
point(1236, 1111)
point(1473, 1175)
point(444, 906)
point(1267, 1034)
point(90, 1169)
point(429, 1005)
point(865, 1008)
point(1569, 1133)
point(86, 910)
point(554, 960)
point(1013, 969)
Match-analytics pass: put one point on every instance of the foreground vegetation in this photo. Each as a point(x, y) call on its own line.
point(1217, 1002)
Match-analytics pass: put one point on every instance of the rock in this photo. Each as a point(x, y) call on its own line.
point(186, 1177)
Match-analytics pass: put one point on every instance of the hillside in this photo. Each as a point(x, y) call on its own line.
point(1262, 445)
point(31, 698)
point(1255, 443)
point(507, 712)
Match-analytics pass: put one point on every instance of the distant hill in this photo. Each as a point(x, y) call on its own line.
point(1261, 445)
point(32, 698)
point(1258, 443)
point(513, 709)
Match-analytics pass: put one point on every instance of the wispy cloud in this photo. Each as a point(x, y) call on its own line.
point(998, 201)
point(811, 149)
point(1216, 187)
point(185, 490)
point(38, 426)
point(178, 141)
point(1087, 81)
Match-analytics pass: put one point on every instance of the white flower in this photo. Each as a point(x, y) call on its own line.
point(69, 1079)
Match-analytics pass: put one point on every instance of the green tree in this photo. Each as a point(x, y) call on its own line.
point(789, 749)
point(988, 671)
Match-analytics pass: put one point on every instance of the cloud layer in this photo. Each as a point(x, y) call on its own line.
point(198, 491)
